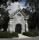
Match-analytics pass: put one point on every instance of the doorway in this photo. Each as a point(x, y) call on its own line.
point(18, 28)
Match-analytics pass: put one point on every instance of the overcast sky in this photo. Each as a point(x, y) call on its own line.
point(20, 4)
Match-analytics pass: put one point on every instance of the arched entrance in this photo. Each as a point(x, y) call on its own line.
point(18, 28)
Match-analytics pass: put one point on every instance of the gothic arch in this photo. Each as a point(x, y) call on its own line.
point(18, 28)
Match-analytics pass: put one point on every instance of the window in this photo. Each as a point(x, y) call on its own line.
point(19, 14)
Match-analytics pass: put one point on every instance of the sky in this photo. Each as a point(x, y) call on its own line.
point(20, 4)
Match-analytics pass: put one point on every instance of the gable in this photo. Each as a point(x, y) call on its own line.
point(19, 14)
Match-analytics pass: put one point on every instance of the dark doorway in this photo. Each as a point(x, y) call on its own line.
point(18, 28)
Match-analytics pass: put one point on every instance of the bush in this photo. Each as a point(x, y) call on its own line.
point(30, 34)
point(8, 35)
point(14, 34)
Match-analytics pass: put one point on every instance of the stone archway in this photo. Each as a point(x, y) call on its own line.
point(18, 28)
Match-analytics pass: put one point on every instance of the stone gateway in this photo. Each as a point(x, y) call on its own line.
point(17, 22)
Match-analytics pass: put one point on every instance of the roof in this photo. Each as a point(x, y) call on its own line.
point(24, 12)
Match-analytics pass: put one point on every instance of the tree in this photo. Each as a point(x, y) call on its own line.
point(3, 1)
point(35, 3)
point(4, 19)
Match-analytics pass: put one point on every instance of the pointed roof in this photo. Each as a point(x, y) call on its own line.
point(24, 12)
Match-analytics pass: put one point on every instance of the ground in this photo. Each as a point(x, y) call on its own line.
point(27, 38)
point(35, 38)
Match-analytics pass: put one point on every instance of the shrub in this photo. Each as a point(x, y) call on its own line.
point(30, 34)
point(8, 35)
point(14, 34)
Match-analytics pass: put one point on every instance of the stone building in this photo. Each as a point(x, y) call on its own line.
point(18, 22)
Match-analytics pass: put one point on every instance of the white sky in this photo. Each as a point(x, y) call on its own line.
point(15, 6)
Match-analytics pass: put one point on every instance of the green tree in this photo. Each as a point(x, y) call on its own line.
point(35, 3)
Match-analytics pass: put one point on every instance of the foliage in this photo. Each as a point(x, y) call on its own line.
point(4, 19)
point(30, 34)
point(8, 35)
point(33, 21)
